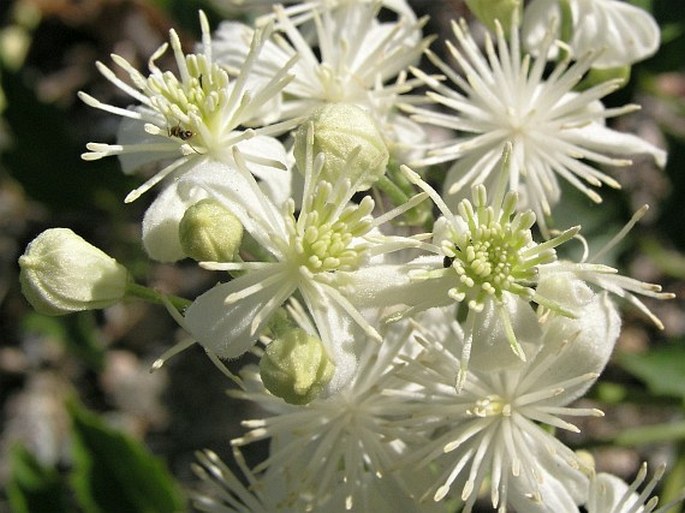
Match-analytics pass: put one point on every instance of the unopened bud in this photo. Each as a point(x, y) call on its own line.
point(210, 233)
point(351, 142)
point(487, 11)
point(295, 367)
point(62, 273)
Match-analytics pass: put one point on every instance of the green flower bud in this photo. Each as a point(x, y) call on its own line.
point(339, 129)
point(62, 273)
point(295, 367)
point(487, 11)
point(210, 233)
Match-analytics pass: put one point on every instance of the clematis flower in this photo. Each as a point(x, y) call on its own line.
point(488, 261)
point(492, 428)
point(624, 33)
point(193, 117)
point(504, 98)
point(312, 252)
point(342, 445)
point(352, 58)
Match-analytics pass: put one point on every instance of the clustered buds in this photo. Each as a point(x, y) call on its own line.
point(296, 172)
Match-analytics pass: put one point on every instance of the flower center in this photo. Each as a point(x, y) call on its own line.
point(490, 406)
point(490, 254)
point(324, 237)
point(192, 107)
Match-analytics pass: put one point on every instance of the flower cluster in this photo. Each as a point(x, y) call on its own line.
point(408, 362)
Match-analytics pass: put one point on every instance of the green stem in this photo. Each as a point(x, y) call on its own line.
point(152, 296)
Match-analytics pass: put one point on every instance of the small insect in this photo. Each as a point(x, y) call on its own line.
point(447, 261)
point(182, 134)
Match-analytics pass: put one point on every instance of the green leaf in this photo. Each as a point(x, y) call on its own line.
point(661, 369)
point(114, 473)
point(32, 487)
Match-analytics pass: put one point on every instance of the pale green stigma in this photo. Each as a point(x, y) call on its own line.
point(492, 251)
point(323, 235)
point(194, 106)
point(490, 406)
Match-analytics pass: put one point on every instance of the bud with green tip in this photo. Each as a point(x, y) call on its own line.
point(295, 367)
point(210, 233)
point(339, 131)
point(487, 11)
point(62, 273)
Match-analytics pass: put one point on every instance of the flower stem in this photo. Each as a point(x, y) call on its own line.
point(135, 290)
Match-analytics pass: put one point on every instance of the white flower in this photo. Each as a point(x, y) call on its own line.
point(355, 59)
point(334, 445)
point(504, 98)
point(492, 427)
point(624, 33)
point(487, 260)
point(193, 117)
point(312, 253)
point(609, 494)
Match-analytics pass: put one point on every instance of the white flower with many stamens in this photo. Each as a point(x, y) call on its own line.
point(195, 116)
point(335, 445)
point(352, 59)
point(491, 429)
point(504, 98)
point(311, 252)
point(624, 33)
point(488, 261)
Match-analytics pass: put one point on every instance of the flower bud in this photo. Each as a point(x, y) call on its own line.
point(487, 11)
point(340, 130)
point(210, 233)
point(62, 273)
point(295, 367)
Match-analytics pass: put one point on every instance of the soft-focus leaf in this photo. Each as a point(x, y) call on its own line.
point(32, 487)
point(76, 332)
point(113, 473)
point(662, 369)
point(44, 153)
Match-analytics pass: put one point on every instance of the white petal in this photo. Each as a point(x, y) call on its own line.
point(226, 329)
point(276, 183)
point(607, 491)
point(491, 350)
point(590, 338)
point(538, 17)
point(604, 140)
point(561, 486)
point(627, 33)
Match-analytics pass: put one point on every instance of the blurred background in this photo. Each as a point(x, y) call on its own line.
point(84, 425)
